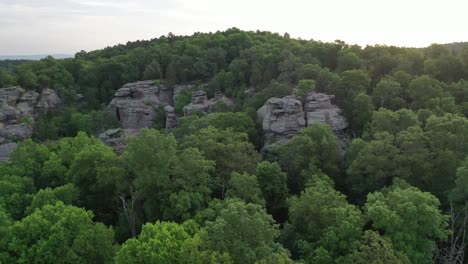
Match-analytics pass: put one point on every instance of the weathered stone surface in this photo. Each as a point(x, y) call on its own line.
point(201, 104)
point(10, 95)
point(283, 118)
point(166, 95)
point(6, 150)
point(48, 100)
point(318, 108)
point(16, 132)
point(27, 103)
point(172, 121)
point(114, 138)
point(135, 105)
point(18, 108)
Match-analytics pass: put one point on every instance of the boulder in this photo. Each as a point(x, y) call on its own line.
point(135, 105)
point(283, 118)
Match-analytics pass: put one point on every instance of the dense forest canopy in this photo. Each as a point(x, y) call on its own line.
point(205, 192)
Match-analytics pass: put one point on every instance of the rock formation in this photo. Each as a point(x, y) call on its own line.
point(115, 138)
point(139, 105)
point(172, 121)
point(18, 109)
point(283, 118)
point(201, 104)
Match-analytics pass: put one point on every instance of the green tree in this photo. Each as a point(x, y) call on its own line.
point(29, 157)
point(149, 158)
point(274, 185)
point(162, 242)
point(60, 234)
point(315, 149)
point(362, 112)
point(245, 231)
point(322, 222)
point(348, 61)
point(96, 170)
point(245, 187)
point(459, 193)
point(387, 94)
point(422, 89)
point(374, 166)
point(399, 212)
point(374, 249)
point(230, 151)
point(68, 194)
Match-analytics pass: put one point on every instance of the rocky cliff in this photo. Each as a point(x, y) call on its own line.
point(18, 109)
point(283, 118)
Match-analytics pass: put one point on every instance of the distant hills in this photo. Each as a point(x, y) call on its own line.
point(34, 57)
point(456, 47)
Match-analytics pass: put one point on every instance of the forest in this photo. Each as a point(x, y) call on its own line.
point(208, 192)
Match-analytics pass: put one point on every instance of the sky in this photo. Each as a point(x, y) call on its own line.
point(68, 26)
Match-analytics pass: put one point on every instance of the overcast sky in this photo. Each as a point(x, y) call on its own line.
point(68, 26)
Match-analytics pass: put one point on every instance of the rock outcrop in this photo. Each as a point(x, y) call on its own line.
point(18, 109)
point(115, 138)
point(283, 118)
point(200, 103)
point(135, 105)
point(139, 105)
point(172, 121)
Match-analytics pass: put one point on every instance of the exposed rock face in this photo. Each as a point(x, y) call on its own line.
point(201, 104)
point(283, 118)
point(135, 105)
point(172, 121)
point(18, 108)
point(5, 151)
point(318, 108)
point(114, 138)
point(48, 100)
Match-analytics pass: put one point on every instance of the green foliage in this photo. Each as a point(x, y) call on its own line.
point(273, 183)
point(162, 242)
point(315, 149)
point(459, 193)
point(68, 194)
point(245, 187)
point(399, 212)
point(230, 151)
point(321, 222)
point(245, 231)
point(305, 86)
point(60, 234)
point(374, 249)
